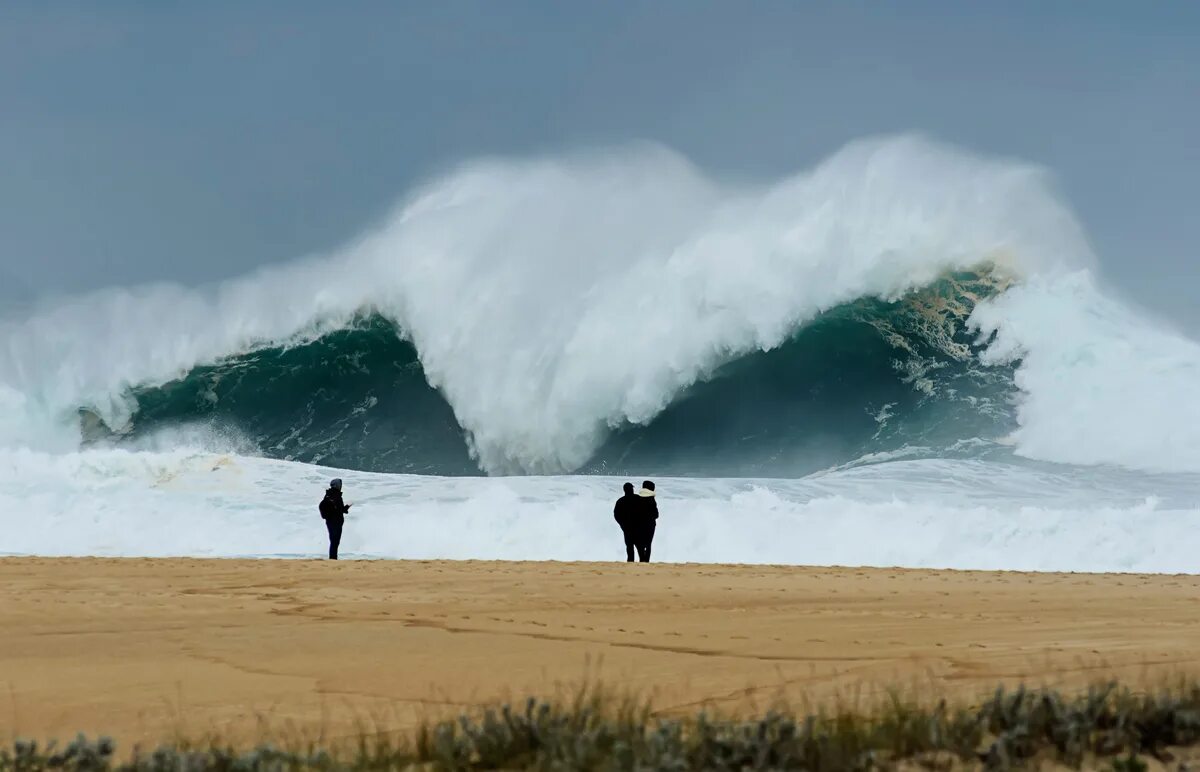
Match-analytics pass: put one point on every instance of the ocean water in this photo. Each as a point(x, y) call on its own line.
point(903, 356)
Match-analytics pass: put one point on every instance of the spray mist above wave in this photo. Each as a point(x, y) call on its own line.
point(551, 301)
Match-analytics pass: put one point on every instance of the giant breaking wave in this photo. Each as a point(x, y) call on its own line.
point(621, 309)
point(905, 331)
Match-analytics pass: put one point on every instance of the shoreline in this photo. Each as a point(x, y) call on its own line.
point(315, 558)
point(144, 648)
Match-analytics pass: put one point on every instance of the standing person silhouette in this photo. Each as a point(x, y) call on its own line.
point(333, 512)
point(625, 512)
point(647, 519)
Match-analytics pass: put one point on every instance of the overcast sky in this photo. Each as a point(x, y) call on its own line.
point(193, 141)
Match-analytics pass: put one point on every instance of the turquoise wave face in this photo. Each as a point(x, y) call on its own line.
point(865, 377)
point(356, 398)
point(868, 377)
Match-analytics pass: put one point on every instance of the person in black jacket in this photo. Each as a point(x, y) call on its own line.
point(625, 513)
point(333, 512)
point(646, 520)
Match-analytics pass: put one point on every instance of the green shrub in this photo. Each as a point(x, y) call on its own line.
point(1010, 729)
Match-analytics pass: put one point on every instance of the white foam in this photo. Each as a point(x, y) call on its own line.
point(937, 513)
point(551, 299)
point(1101, 384)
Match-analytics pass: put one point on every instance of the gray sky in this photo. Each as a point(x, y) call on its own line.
point(193, 141)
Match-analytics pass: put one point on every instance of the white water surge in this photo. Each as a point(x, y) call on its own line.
point(942, 514)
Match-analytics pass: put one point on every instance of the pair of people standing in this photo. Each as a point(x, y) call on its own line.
point(637, 514)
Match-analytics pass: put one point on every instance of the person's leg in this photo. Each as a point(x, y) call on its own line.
point(335, 538)
point(629, 545)
point(647, 540)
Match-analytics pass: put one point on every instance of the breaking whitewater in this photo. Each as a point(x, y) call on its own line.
point(903, 356)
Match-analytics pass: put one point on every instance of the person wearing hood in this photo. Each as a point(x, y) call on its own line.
point(625, 513)
point(646, 520)
point(333, 512)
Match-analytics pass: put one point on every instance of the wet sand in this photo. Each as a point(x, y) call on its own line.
point(147, 649)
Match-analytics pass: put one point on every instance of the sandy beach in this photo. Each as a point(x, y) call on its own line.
point(147, 649)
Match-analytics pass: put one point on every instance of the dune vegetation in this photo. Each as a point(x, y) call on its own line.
point(1109, 726)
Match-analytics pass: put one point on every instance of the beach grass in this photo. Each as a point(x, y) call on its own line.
point(1108, 726)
